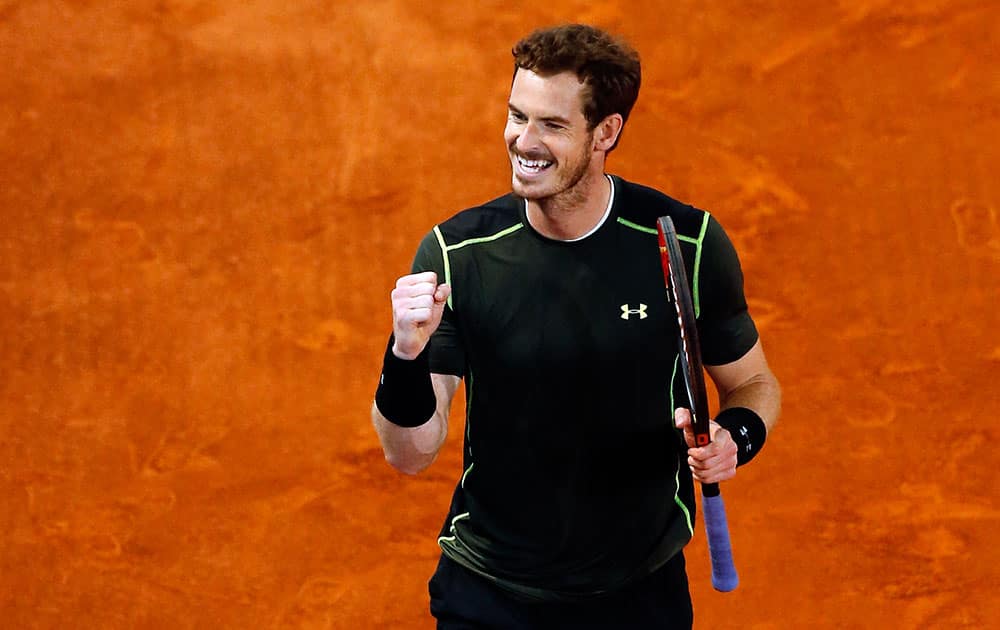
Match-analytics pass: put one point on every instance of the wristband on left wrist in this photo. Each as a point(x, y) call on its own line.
point(747, 430)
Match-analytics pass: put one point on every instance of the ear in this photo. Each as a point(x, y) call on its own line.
point(606, 132)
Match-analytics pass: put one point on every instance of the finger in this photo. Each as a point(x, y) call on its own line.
point(713, 463)
point(425, 300)
point(411, 290)
point(706, 463)
point(413, 318)
point(414, 311)
point(715, 474)
point(721, 448)
point(712, 470)
point(417, 278)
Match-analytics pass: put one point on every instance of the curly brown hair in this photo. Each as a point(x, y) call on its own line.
point(607, 65)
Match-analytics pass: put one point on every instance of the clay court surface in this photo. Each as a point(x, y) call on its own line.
point(204, 205)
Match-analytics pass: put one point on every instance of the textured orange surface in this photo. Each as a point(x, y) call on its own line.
point(203, 206)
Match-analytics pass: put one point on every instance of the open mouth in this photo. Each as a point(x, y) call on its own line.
point(532, 167)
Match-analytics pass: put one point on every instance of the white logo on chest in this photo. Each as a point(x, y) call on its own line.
point(628, 312)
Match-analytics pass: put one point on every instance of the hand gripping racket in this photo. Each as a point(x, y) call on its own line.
point(724, 577)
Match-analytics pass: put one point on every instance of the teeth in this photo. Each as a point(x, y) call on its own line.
point(533, 164)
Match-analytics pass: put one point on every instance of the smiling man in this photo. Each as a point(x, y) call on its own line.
point(555, 155)
point(577, 494)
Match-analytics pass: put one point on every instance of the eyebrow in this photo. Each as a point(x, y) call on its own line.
point(555, 119)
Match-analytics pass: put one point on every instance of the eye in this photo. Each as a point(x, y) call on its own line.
point(517, 116)
point(554, 126)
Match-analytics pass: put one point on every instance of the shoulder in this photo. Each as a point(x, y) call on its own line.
point(643, 205)
point(484, 223)
point(489, 220)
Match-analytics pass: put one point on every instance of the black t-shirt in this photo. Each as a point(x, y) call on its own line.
point(574, 481)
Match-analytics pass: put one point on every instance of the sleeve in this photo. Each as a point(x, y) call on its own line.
point(725, 328)
point(447, 354)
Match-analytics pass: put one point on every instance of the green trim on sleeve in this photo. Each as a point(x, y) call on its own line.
point(697, 242)
point(447, 263)
point(486, 239)
point(697, 265)
point(636, 226)
point(445, 249)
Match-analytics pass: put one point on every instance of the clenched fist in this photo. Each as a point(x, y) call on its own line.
point(712, 463)
point(417, 304)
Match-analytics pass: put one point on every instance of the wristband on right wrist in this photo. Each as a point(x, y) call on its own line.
point(405, 394)
point(747, 430)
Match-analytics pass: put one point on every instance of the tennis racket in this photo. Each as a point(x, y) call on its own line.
point(724, 577)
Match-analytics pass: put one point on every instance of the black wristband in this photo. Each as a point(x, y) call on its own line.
point(747, 430)
point(405, 394)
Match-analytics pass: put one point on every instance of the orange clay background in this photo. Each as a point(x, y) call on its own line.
point(204, 205)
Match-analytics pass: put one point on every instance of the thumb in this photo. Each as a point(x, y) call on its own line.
point(682, 418)
point(442, 294)
point(440, 299)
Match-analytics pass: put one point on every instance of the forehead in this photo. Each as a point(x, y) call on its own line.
point(547, 95)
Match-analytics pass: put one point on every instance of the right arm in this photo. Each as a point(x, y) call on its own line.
point(418, 303)
point(410, 451)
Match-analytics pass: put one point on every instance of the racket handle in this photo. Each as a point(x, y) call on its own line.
point(724, 576)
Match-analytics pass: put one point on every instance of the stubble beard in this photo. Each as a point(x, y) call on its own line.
point(571, 190)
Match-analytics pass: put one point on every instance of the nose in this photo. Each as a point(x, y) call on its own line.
point(529, 138)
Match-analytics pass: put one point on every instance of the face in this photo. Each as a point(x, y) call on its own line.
point(550, 147)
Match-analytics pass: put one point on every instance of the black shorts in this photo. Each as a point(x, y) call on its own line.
point(462, 600)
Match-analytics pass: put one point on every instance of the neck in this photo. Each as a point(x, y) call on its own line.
point(574, 212)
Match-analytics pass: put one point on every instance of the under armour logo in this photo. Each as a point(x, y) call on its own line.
point(641, 311)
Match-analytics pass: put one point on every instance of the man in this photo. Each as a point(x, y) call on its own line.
point(577, 495)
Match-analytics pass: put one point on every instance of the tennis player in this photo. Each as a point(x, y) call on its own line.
point(576, 498)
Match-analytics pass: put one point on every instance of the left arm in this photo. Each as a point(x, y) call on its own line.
point(747, 382)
